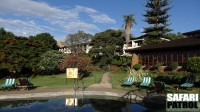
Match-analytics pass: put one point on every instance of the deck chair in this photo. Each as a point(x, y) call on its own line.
point(160, 87)
point(9, 83)
point(24, 83)
point(146, 82)
point(189, 82)
point(128, 81)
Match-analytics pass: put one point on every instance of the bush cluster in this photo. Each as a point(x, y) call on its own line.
point(137, 66)
point(173, 66)
point(157, 65)
point(193, 65)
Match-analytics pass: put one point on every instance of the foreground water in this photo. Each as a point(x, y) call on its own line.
point(71, 105)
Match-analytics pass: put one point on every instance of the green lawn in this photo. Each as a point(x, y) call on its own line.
point(116, 80)
point(59, 80)
point(118, 77)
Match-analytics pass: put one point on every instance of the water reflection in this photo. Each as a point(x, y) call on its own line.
point(60, 105)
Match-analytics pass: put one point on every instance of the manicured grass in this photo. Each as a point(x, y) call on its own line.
point(117, 78)
point(59, 80)
point(187, 90)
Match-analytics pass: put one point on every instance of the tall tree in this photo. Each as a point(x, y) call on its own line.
point(5, 34)
point(50, 60)
point(157, 16)
point(46, 39)
point(75, 41)
point(129, 20)
point(19, 55)
point(105, 45)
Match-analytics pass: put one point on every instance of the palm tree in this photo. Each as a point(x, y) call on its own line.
point(129, 20)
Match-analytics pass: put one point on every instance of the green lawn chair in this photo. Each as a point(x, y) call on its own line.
point(128, 81)
point(146, 82)
point(9, 83)
point(6, 83)
point(189, 82)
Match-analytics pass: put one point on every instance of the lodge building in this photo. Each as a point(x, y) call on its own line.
point(167, 52)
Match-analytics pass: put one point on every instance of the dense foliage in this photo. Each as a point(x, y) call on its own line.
point(19, 55)
point(77, 60)
point(193, 65)
point(75, 41)
point(49, 61)
point(137, 66)
point(46, 39)
point(174, 36)
point(173, 66)
point(157, 65)
point(106, 45)
point(157, 16)
point(121, 60)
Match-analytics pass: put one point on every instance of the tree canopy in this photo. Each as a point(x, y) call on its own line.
point(19, 55)
point(50, 60)
point(157, 16)
point(106, 45)
point(75, 41)
point(129, 20)
point(174, 36)
point(46, 39)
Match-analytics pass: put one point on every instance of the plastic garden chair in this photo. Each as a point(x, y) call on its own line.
point(146, 81)
point(189, 82)
point(9, 83)
point(128, 81)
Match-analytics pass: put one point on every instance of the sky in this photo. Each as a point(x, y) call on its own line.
point(63, 17)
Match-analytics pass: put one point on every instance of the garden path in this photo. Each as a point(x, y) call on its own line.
point(105, 82)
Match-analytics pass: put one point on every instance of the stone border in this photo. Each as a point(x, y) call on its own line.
point(43, 95)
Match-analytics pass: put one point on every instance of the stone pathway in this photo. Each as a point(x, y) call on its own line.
point(105, 82)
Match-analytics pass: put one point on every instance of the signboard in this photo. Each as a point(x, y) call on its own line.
point(71, 102)
point(72, 73)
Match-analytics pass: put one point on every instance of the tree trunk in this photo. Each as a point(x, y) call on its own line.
point(127, 32)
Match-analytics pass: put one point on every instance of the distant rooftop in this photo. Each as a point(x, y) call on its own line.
point(184, 42)
point(192, 32)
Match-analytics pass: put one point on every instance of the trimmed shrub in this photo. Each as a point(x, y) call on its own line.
point(193, 65)
point(171, 77)
point(156, 66)
point(173, 66)
point(137, 66)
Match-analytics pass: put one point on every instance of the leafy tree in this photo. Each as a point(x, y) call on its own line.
point(106, 45)
point(193, 65)
point(75, 41)
point(50, 60)
point(174, 36)
point(46, 39)
point(76, 60)
point(5, 34)
point(157, 16)
point(129, 20)
point(19, 55)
